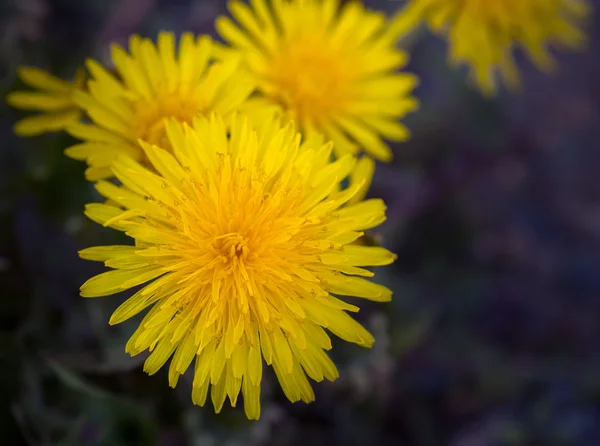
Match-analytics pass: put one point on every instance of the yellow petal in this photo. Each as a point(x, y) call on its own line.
point(357, 287)
point(38, 78)
point(368, 255)
point(132, 306)
point(251, 399)
point(159, 356)
point(38, 101)
point(36, 125)
point(112, 282)
point(103, 253)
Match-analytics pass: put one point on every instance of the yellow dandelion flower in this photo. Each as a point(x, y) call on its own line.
point(241, 241)
point(154, 83)
point(484, 33)
point(333, 69)
point(54, 101)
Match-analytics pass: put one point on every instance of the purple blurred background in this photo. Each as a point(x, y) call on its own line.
point(492, 338)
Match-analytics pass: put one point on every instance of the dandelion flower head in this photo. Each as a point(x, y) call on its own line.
point(54, 100)
point(484, 33)
point(334, 69)
point(242, 239)
point(154, 82)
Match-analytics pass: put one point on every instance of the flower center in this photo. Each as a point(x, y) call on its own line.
point(150, 114)
point(311, 77)
point(231, 246)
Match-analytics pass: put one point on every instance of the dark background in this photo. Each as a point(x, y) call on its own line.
point(494, 210)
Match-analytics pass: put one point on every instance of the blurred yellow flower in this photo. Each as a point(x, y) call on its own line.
point(54, 100)
point(484, 33)
point(154, 83)
point(240, 237)
point(334, 69)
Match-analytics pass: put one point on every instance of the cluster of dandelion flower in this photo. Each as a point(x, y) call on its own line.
point(234, 169)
